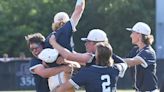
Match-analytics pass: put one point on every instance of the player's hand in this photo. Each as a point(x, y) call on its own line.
point(73, 64)
point(55, 89)
point(52, 39)
point(60, 60)
point(68, 69)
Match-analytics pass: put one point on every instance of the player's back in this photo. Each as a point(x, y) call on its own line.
point(97, 78)
point(63, 37)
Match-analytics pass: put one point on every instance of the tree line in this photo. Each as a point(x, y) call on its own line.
point(21, 17)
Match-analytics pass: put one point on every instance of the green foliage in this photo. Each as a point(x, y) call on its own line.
point(113, 16)
point(22, 17)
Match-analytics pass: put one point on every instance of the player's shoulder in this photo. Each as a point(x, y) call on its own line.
point(120, 66)
point(134, 49)
point(67, 25)
point(35, 61)
point(148, 51)
point(86, 69)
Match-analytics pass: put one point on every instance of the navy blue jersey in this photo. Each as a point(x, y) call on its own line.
point(132, 51)
point(162, 86)
point(99, 78)
point(63, 37)
point(116, 59)
point(145, 74)
point(41, 84)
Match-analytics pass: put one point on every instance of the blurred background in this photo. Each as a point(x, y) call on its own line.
point(22, 17)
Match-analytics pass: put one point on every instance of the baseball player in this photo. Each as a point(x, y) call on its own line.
point(101, 77)
point(143, 57)
point(63, 28)
point(35, 43)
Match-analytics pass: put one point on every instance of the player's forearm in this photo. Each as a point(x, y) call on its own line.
point(132, 62)
point(62, 51)
point(64, 87)
point(69, 55)
point(78, 11)
point(48, 72)
point(80, 58)
point(59, 89)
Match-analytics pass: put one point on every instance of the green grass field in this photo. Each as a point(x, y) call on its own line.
point(76, 91)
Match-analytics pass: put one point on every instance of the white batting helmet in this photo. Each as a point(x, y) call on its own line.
point(48, 55)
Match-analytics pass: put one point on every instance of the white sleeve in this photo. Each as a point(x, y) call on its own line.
point(74, 84)
point(33, 67)
point(92, 56)
point(122, 67)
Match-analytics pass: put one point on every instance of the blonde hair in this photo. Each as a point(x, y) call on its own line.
point(56, 26)
point(59, 20)
point(148, 39)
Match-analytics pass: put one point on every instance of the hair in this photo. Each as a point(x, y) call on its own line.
point(37, 38)
point(148, 39)
point(62, 17)
point(56, 26)
point(104, 53)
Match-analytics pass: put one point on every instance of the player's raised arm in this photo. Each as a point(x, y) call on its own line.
point(78, 11)
point(79, 57)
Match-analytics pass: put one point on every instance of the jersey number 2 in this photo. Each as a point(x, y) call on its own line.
point(106, 84)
